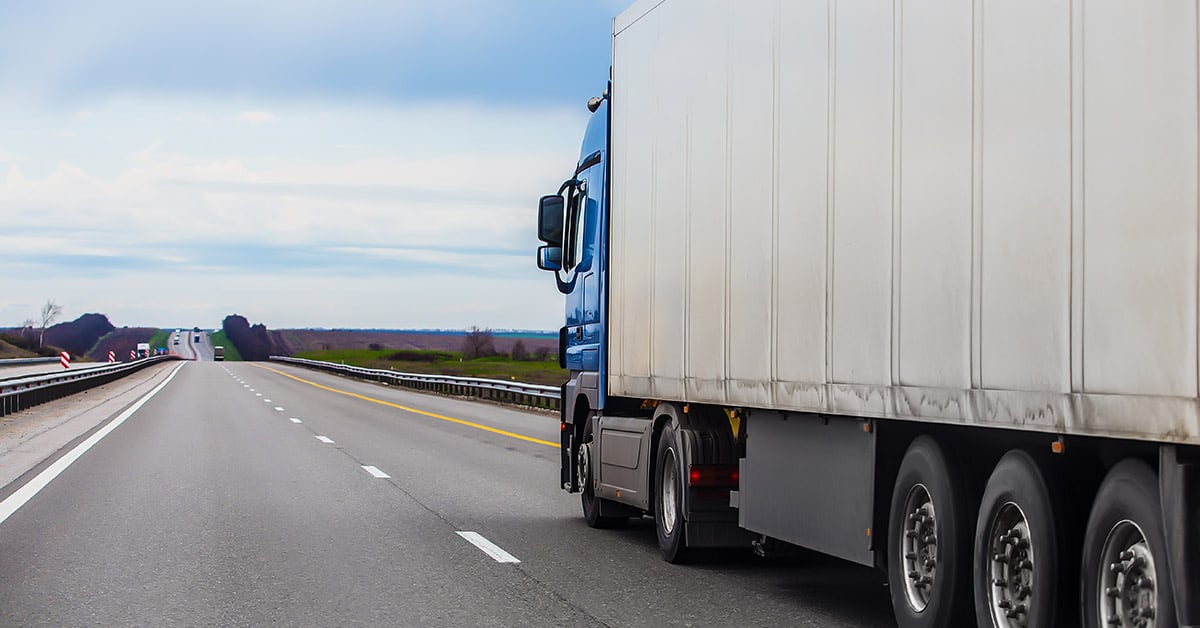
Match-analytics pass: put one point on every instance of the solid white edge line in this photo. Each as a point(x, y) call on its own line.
point(373, 470)
point(325, 439)
point(22, 495)
point(488, 547)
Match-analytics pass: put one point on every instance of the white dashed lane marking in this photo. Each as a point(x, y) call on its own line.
point(375, 472)
point(323, 439)
point(295, 420)
point(489, 548)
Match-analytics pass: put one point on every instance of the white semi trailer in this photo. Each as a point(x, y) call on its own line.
point(913, 283)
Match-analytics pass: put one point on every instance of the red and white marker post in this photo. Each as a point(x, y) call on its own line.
point(112, 357)
point(133, 355)
point(65, 359)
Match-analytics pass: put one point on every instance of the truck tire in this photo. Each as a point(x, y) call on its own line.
point(1125, 577)
point(587, 487)
point(929, 541)
point(1019, 559)
point(668, 497)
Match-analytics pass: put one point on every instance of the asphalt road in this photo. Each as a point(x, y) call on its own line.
point(240, 494)
point(191, 348)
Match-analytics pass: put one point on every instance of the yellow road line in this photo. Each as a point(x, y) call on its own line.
point(415, 411)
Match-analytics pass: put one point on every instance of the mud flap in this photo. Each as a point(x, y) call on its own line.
point(1179, 477)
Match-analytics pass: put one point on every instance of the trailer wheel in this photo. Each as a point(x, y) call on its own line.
point(1125, 578)
point(1018, 557)
point(929, 545)
point(668, 495)
point(587, 485)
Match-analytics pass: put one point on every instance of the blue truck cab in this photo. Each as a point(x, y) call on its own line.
point(572, 224)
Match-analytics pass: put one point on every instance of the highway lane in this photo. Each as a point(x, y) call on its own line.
point(191, 348)
point(202, 347)
point(217, 503)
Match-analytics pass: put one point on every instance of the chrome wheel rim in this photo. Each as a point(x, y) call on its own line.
point(668, 494)
point(584, 466)
point(1010, 593)
point(1127, 595)
point(918, 547)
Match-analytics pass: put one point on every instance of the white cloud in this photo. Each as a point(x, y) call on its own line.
point(146, 153)
point(444, 190)
point(194, 118)
point(256, 117)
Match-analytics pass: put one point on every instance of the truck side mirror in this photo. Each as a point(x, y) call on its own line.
point(550, 258)
point(550, 222)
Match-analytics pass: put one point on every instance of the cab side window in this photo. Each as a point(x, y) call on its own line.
point(577, 204)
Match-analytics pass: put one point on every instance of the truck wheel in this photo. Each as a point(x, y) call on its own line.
point(1125, 578)
point(587, 485)
point(929, 541)
point(668, 495)
point(1018, 568)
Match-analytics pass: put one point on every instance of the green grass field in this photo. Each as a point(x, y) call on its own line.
point(446, 363)
point(231, 352)
point(160, 340)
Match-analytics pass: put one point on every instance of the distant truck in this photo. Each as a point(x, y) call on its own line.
point(916, 288)
point(143, 350)
point(218, 353)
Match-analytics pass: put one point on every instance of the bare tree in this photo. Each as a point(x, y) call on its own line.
point(478, 343)
point(50, 313)
point(27, 328)
point(518, 350)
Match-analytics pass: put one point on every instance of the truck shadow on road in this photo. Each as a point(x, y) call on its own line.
point(852, 593)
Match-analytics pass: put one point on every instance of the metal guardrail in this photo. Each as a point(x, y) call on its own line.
point(25, 361)
point(494, 389)
point(19, 393)
point(78, 367)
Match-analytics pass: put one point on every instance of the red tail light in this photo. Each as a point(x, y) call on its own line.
point(713, 475)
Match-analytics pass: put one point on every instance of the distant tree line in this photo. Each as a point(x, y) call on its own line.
point(76, 337)
point(80, 335)
point(480, 343)
point(252, 342)
point(22, 341)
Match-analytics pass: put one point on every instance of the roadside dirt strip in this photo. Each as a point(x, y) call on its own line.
point(30, 437)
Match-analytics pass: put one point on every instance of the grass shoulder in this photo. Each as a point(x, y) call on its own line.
point(160, 339)
point(219, 339)
point(429, 362)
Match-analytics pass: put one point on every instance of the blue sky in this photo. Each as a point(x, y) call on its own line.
point(331, 164)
